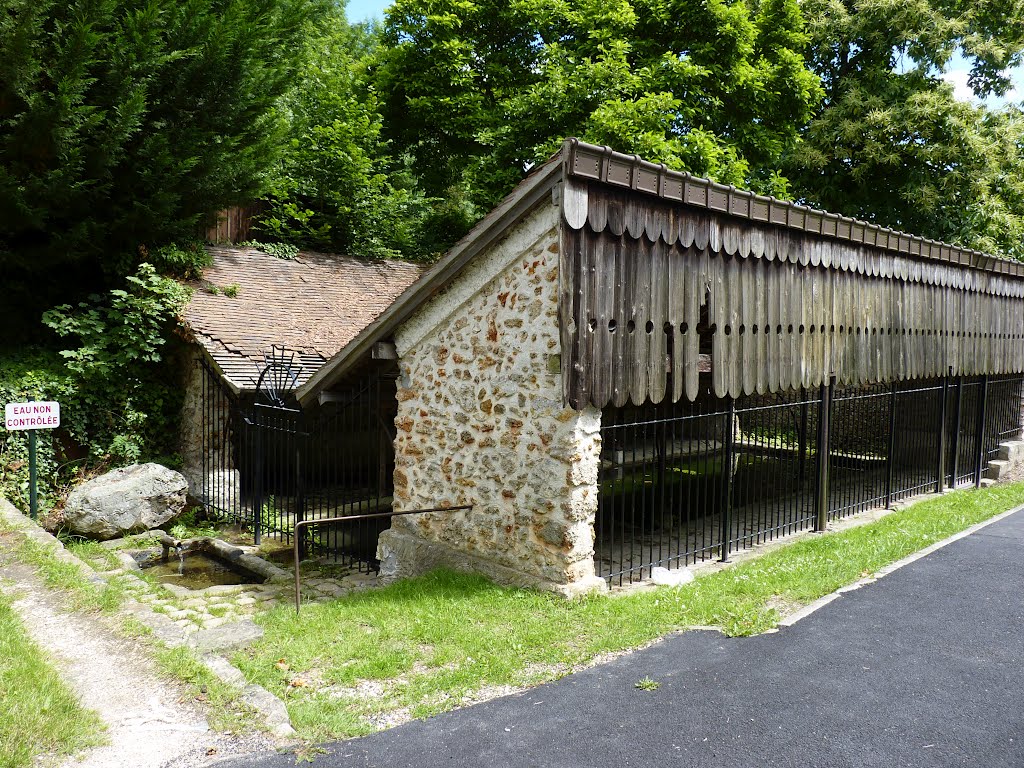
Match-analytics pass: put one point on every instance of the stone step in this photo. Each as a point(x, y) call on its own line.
point(996, 468)
point(1011, 451)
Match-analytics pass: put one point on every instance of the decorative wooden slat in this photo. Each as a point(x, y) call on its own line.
point(620, 356)
point(716, 314)
point(631, 310)
point(657, 348)
point(638, 365)
point(676, 310)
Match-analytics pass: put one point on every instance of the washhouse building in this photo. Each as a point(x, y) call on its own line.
point(624, 367)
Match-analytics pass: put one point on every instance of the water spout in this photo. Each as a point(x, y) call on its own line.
point(181, 557)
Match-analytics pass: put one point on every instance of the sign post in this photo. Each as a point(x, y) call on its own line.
point(29, 417)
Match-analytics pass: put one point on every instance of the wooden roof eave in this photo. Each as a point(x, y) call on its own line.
point(630, 173)
point(533, 190)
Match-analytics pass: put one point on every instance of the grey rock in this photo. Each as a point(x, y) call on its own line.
point(238, 634)
point(136, 498)
point(663, 577)
point(274, 712)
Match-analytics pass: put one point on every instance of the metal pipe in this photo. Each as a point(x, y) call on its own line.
point(371, 515)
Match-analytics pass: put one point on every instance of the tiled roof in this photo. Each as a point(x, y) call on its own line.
point(312, 305)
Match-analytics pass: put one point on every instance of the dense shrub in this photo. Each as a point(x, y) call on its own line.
point(118, 395)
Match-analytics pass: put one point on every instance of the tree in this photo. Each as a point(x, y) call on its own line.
point(124, 124)
point(478, 91)
point(336, 186)
point(890, 143)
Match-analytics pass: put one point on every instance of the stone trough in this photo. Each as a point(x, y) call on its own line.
point(197, 565)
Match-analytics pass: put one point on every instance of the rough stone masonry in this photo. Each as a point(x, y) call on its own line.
point(481, 421)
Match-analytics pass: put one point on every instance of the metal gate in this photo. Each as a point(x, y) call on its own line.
point(686, 482)
point(267, 465)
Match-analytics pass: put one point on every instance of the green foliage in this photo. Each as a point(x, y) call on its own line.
point(188, 525)
point(183, 260)
point(122, 329)
point(126, 123)
point(286, 251)
point(40, 375)
point(479, 91)
point(337, 187)
point(118, 402)
point(646, 683)
point(892, 144)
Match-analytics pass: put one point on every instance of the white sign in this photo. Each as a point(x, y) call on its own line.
point(41, 415)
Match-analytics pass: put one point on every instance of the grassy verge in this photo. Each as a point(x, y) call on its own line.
point(426, 645)
point(38, 713)
point(226, 711)
point(57, 573)
point(222, 702)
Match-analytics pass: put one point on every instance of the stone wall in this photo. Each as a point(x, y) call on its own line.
point(206, 441)
point(481, 421)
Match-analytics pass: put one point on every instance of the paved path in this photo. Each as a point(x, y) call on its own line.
point(922, 668)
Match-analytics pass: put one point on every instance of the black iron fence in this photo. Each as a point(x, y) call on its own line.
point(269, 466)
point(688, 482)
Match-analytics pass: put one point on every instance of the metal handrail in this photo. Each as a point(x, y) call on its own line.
point(369, 516)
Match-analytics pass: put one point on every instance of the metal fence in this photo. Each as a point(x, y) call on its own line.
point(269, 465)
point(687, 482)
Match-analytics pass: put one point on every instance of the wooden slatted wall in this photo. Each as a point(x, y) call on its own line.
point(643, 280)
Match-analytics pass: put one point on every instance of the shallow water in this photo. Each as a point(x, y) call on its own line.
point(197, 571)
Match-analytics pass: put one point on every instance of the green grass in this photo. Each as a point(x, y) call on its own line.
point(59, 574)
point(226, 711)
point(38, 713)
point(433, 642)
point(93, 553)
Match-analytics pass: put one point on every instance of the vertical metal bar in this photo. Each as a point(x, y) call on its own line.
point(804, 409)
point(257, 509)
point(33, 491)
point(955, 448)
point(821, 496)
point(980, 430)
point(940, 460)
point(890, 459)
point(300, 486)
point(726, 521)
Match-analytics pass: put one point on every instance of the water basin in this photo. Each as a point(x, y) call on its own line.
point(198, 570)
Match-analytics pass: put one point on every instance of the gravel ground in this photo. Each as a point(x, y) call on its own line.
point(150, 722)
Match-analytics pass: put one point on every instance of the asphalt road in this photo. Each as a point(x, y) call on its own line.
point(922, 668)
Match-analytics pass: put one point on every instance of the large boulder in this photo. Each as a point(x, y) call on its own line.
point(127, 500)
